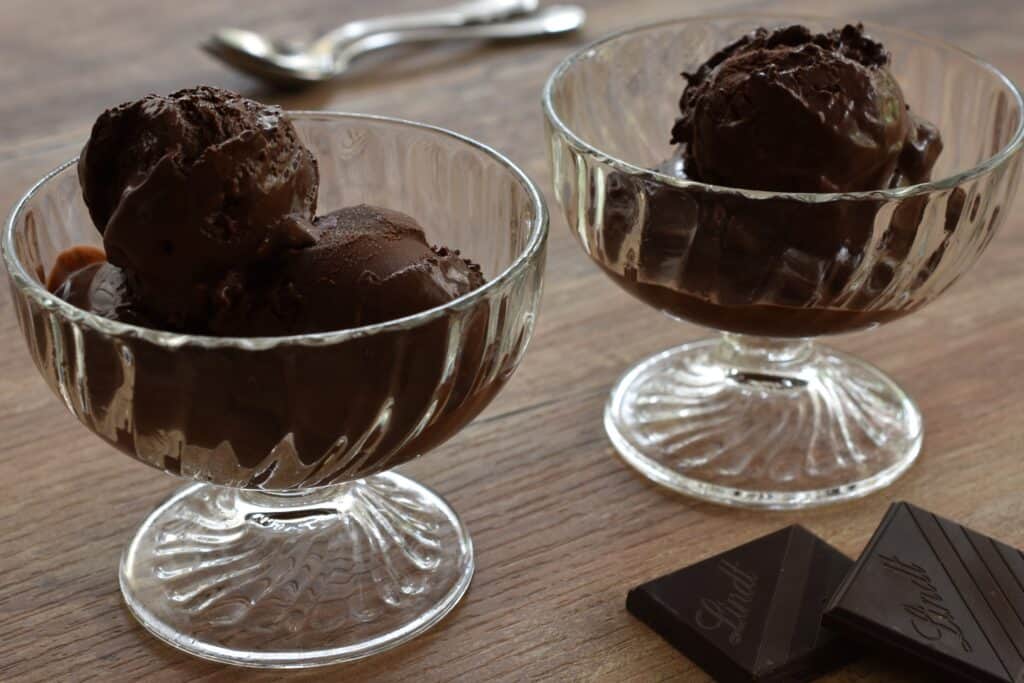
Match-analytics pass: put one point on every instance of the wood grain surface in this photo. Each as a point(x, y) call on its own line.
point(562, 528)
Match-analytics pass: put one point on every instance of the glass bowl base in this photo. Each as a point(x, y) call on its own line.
point(763, 423)
point(297, 580)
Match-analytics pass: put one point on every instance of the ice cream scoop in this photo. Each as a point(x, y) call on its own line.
point(368, 265)
point(206, 204)
point(190, 187)
point(789, 110)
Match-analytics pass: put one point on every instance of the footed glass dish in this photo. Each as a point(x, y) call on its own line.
point(762, 415)
point(296, 546)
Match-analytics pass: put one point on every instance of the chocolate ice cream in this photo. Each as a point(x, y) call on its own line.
point(206, 204)
point(789, 110)
point(779, 110)
point(368, 265)
point(190, 188)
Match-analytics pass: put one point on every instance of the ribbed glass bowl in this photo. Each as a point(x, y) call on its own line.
point(298, 548)
point(761, 416)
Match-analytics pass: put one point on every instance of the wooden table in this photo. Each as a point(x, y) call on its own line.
point(562, 528)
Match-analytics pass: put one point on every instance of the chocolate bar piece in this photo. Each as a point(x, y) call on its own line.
point(752, 613)
point(948, 596)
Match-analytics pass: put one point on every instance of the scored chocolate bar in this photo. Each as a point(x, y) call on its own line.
point(948, 596)
point(752, 613)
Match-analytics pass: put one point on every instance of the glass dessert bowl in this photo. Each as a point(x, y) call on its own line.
point(296, 546)
point(762, 416)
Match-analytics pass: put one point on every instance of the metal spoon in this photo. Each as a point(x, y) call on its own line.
point(333, 54)
point(253, 52)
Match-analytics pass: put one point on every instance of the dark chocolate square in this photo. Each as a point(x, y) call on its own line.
point(933, 589)
point(752, 613)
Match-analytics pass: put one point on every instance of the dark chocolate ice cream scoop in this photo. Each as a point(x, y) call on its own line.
point(188, 188)
point(368, 265)
point(206, 203)
point(789, 110)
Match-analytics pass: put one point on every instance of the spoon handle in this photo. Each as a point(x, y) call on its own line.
point(462, 14)
point(553, 20)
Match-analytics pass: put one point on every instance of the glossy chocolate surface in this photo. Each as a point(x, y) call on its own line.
point(947, 596)
point(752, 613)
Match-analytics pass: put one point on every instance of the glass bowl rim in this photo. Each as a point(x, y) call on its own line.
point(991, 163)
point(28, 285)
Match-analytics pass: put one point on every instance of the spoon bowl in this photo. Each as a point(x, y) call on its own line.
point(271, 60)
